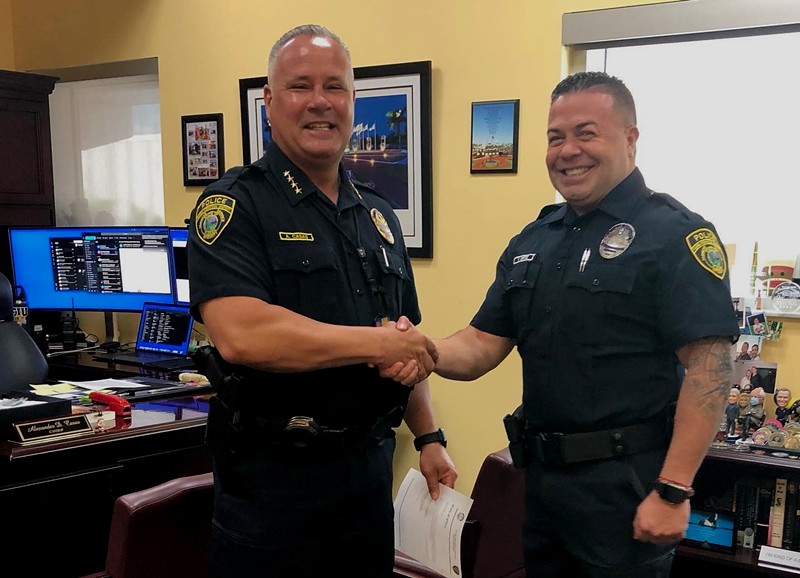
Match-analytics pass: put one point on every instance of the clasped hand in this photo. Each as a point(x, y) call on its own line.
point(411, 355)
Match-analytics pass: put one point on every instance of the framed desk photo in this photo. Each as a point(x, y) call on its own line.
point(203, 150)
point(390, 146)
point(495, 137)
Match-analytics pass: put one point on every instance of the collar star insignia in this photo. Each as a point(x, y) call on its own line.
point(292, 183)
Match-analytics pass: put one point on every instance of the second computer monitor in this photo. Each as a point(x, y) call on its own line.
point(178, 238)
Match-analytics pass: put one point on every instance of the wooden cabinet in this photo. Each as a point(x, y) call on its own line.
point(26, 185)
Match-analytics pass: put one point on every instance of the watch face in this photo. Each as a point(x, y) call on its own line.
point(672, 494)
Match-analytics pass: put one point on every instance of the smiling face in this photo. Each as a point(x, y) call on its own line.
point(733, 396)
point(782, 397)
point(591, 147)
point(310, 100)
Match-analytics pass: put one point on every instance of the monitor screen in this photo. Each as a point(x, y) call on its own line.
point(178, 238)
point(92, 268)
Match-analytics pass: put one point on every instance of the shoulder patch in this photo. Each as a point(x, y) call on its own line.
point(213, 215)
point(706, 249)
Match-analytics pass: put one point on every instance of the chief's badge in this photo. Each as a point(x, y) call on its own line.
point(707, 251)
point(213, 215)
point(617, 240)
point(382, 225)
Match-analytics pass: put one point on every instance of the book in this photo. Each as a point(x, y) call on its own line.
point(745, 500)
point(777, 513)
point(790, 517)
point(764, 497)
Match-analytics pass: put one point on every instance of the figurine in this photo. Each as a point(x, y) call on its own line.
point(753, 416)
point(732, 412)
point(782, 397)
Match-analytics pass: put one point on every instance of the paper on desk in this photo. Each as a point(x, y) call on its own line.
point(430, 531)
point(98, 384)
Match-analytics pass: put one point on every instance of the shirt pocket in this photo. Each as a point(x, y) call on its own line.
point(519, 292)
point(394, 277)
point(307, 280)
point(595, 297)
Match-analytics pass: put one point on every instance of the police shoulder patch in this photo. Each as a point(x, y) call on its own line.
point(212, 216)
point(707, 251)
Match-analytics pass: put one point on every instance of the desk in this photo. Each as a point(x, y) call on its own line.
point(57, 497)
point(82, 366)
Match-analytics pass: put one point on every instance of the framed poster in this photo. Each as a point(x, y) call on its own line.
point(390, 147)
point(203, 150)
point(495, 137)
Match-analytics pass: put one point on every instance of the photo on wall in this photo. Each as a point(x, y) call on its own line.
point(752, 374)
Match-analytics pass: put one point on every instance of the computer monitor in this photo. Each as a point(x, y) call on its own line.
point(178, 238)
point(92, 268)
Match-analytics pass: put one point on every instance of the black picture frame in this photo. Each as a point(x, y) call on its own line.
point(494, 137)
point(391, 146)
point(203, 149)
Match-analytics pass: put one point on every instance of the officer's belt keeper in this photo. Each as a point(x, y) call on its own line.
point(562, 449)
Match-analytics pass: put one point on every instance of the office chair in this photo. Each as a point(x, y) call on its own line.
point(162, 532)
point(21, 361)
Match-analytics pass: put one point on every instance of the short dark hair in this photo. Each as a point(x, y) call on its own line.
point(599, 82)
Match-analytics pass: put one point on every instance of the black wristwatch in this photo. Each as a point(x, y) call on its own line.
point(429, 438)
point(672, 493)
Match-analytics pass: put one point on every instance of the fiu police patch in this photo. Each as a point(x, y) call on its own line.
point(707, 251)
point(213, 215)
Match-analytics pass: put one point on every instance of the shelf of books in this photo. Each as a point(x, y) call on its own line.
point(746, 512)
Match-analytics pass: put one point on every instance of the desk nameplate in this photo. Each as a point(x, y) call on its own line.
point(52, 428)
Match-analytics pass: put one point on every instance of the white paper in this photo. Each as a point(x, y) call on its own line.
point(100, 384)
point(430, 531)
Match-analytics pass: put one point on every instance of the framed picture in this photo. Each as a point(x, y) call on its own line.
point(203, 150)
point(495, 137)
point(390, 148)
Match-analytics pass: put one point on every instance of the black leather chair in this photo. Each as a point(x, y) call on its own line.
point(21, 361)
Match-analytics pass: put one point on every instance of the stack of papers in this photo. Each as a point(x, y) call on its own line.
point(430, 531)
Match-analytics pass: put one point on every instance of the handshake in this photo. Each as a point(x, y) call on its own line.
point(409, 356)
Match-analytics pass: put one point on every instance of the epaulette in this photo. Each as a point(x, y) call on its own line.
point(365, 187)
point(547, 209)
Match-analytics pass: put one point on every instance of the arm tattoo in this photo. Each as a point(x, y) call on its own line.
point(709, 370)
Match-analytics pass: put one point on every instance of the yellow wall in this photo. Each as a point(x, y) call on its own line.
point(6, 36)
point(479, 52)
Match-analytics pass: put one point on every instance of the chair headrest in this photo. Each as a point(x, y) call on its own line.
point(6, 299)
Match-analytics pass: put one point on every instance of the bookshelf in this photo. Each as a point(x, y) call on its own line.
point(726, 466)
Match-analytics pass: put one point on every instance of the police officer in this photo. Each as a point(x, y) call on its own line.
point(619, 304)
point(298, 274)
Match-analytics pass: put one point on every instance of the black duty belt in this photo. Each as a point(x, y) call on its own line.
point(303, 433)
point(562, 449)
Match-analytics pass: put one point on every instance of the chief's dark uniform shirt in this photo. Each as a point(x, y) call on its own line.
point(598, 345)
point(267, 232)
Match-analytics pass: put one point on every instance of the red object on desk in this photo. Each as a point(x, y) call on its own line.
point(117, 404)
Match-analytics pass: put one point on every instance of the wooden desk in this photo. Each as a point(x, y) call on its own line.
point(82, 366)
point(57, 497)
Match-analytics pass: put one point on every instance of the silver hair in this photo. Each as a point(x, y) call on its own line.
point(313, 30)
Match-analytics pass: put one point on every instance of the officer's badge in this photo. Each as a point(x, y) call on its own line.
point(707, 251)
point(617, 240)
point(213, 215)
point(382, 225)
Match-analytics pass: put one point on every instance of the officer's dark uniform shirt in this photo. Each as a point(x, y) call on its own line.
point(266, 231)
point(598, 344)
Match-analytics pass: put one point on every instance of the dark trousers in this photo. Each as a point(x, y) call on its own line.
point(579, 520)
point(281, 513)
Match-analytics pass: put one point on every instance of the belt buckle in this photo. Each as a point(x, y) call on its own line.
point(301, 430)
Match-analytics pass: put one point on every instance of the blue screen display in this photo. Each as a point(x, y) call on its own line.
point(92, 268)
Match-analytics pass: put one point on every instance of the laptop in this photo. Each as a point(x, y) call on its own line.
point(165, 332)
